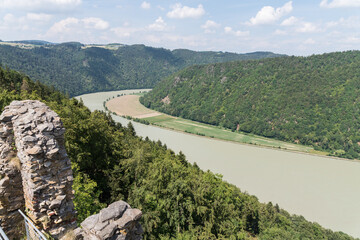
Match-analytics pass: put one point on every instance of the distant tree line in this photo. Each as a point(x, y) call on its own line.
point(75, 70)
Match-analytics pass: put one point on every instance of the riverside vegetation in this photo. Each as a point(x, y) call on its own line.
point(179, 201)
point(75, 68)
point(307, 100)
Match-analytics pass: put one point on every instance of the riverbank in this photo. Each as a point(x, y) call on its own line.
point(129, 106)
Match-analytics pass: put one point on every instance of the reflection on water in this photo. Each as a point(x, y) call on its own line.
point(321, 189)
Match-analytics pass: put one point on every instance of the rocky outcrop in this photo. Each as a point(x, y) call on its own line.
point(35, 169)
point(116, 222)
point(36, 176)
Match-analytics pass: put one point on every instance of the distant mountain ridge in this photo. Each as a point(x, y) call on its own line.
point(309, 100)
point(76, 68)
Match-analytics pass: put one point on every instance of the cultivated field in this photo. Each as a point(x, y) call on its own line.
point(129, 105)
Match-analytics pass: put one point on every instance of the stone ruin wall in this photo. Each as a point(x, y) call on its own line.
point(36, 176)
point(32, 143)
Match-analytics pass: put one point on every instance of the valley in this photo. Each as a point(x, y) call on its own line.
point(309, 185)
point(180, 120)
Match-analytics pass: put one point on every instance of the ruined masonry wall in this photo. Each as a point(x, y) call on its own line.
point(36, 133)
point(36, 176)
point(11, 191)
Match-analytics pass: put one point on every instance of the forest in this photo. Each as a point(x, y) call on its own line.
point(75, 69)
point(311, 100)
point(178, 200)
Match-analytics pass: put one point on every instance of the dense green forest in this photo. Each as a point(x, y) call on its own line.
point(75, 69)
point(178, 200)
point(308, 100)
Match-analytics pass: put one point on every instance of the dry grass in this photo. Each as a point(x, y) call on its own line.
point(15, 161)
point(129, 105)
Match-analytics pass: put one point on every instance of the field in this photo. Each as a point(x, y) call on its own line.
point(129, 105)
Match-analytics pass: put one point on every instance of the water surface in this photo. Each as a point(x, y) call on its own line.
point(323, 190)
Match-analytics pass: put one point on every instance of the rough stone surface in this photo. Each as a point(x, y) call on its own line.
point(36, 176)
point(117, 221)
point(35, 170)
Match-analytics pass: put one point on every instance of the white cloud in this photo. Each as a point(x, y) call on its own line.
point(40, 4)
point(145, 5)
point(352, 40)
point(280, 32)
point(95, 23)
point(289, 21)
point(340, 3)
point(309, 41)
point(9, 18)
point(229, 30)
point(124, 32)
point(210, 26)
point(307, 27)
point(74, 25)
point(161, 8)
point(158, 25)
point(350, 22)
point(179, 11)
point(269, 14)
point(30, 21)
point(63, 26)
point(41, 17)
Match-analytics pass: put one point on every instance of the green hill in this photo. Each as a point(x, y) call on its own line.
point(309, 100)
point(179, 201)
point(75, 68)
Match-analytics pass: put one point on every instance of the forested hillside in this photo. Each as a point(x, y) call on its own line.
point(75, 69)
point(308, 100)
point(179, 201)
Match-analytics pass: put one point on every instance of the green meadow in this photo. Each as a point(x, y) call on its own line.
point(188, 126)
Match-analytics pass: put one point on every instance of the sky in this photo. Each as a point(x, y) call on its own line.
point(298, 27)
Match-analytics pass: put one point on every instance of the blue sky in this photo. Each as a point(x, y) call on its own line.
point(291, 27)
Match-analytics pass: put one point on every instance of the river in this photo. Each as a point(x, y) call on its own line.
point(322, 189)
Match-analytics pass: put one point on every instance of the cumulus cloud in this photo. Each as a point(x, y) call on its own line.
point(229, 30)
point(40, 4)
point(71, 25)
point(307, 27)
point(145, 5)
point(289, 21)
point(179, 11)
point(350, 22)
point(300, 26)
point(210, 26)
point(95, 23)
point(340, 3)
point(280, 32)
point(41, 17)
point(269, 14)
point(158, 25)
point(124, 32)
